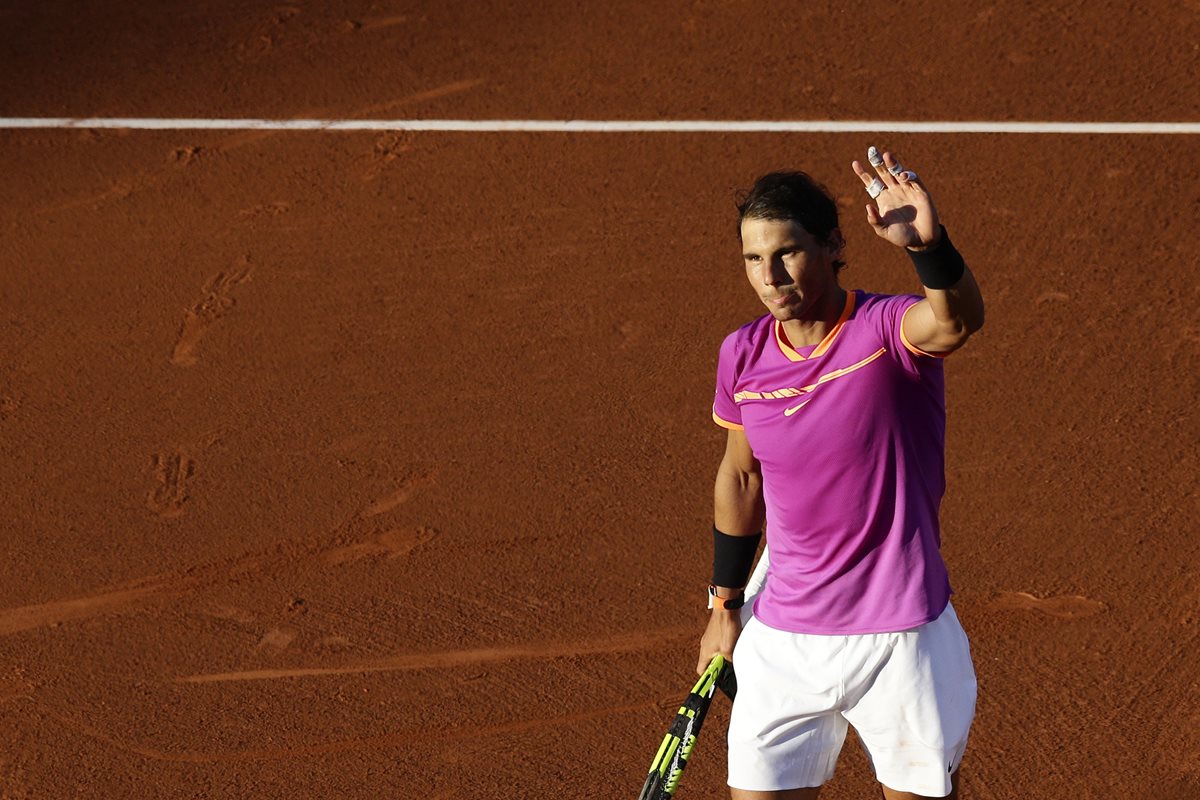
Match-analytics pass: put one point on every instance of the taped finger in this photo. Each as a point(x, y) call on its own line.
point(876, 188)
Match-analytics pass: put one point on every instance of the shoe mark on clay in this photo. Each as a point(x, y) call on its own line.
point(628, 334)
point(387, 149)
point(399, 495)
point(277, 639)
point(172, 471)
point(8, 406)
point(183, 156)
point(450, 659)
point(436, 93)
point(217, 302)
point(1066, 606)
point(155, 587)
point(389, 544)
point(56, 612)
point(269, 210)
point(1052, 297)
point(375, 24)
point(262, 44)
point(404, 739)
point(125, 187)
point(15, 685)
point(283, 13)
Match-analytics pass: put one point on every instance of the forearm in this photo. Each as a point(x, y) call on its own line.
point(958, 309)
point(953, 307)
point(738, 507)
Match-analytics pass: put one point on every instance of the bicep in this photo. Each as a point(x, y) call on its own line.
point(921, 332)
point(738, 507)
point(941, 322)
point(739, 457)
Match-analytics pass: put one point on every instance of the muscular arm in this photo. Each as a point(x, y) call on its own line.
point(739, 510)
point(738, 507)
point(904, 214)
point(942, 322)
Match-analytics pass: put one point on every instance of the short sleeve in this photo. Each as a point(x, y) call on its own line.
point(892, 312)
point(725, 411)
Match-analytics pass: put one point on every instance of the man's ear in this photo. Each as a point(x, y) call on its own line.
point(836, 243)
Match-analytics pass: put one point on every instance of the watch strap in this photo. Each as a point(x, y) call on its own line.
point(725, 603)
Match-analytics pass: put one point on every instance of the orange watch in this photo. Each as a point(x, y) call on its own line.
point(725, 603)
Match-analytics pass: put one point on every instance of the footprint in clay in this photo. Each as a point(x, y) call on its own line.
point(1064, 606)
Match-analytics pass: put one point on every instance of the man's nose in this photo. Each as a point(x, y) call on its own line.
point(773, 273)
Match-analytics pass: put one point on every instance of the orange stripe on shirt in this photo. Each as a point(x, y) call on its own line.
point(724, 423)
point(778, 394)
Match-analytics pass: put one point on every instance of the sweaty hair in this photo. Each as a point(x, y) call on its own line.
point(791, 197)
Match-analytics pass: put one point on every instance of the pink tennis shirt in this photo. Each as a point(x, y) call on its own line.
point(850, 434)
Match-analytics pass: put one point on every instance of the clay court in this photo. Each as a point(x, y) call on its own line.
point(379, 464)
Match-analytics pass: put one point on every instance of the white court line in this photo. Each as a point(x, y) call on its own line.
point(602, 126)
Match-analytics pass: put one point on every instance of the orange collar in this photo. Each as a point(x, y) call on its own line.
point(786, 347)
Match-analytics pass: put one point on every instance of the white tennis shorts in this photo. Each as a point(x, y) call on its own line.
point(909, 695)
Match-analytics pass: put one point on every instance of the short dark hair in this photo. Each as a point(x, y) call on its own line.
point(791, 197)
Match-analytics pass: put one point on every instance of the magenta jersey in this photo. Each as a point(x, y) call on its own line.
point(850, 434)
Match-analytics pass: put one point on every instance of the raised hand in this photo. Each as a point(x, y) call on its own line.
point(902, 211)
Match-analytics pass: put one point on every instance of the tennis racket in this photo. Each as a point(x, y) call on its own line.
point(677, 745)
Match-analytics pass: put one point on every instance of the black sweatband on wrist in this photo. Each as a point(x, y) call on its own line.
point(939, 267)
point(733, 558)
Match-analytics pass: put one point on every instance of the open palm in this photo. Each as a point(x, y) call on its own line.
point(903, 212)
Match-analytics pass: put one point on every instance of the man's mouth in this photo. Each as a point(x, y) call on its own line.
point(779, 301)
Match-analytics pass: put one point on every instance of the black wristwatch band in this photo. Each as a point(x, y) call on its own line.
point(727, 603)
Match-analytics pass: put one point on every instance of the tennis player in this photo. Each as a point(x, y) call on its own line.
point(834, 406)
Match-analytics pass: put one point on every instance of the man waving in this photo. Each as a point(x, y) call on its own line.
point(834, 406)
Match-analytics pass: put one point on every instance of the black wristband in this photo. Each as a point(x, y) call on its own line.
point(733, 558)
point(939, 267)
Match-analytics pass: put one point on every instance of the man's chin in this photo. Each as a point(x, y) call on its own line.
point(782, 313)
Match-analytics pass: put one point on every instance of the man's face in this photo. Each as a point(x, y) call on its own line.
point(788, 267)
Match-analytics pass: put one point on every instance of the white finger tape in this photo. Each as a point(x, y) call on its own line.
point(874, 157)
point(876, 188)
point(896, 169)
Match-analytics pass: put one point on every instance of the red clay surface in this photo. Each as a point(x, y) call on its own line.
point(361, 465)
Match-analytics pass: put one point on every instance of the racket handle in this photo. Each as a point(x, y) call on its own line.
point(649, 786)
point(727, 682)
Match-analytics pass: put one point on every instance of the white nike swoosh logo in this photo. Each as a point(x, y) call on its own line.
point(787, 412)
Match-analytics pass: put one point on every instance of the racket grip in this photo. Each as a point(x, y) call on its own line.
point(727, 682)
point(649, 786)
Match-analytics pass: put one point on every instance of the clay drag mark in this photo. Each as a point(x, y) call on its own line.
point(398, 496)
point(23, 618)
point(404, 739)
point(216, 303)
point(457, 658)
point(389, 544)
point(1067, 606)
point(172, 471)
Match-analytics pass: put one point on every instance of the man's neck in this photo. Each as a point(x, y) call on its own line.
point(816, 325)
